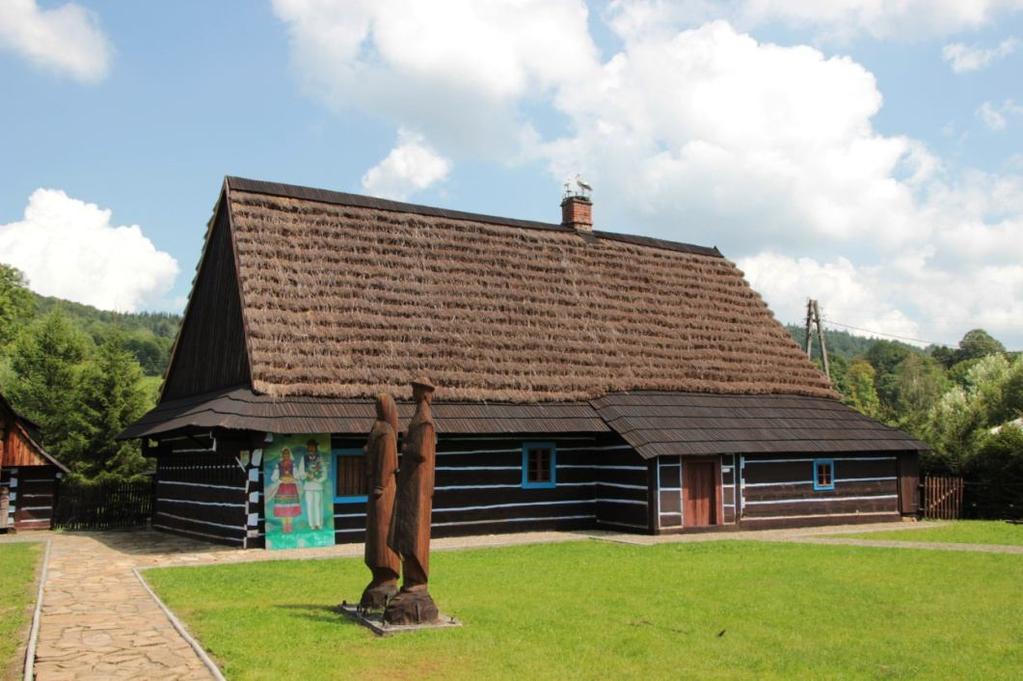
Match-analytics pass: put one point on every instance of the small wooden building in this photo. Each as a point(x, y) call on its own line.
point(588, 379)
point(28, 474)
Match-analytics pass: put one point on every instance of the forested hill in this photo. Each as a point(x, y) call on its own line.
point(842, 343)
point(147, 335)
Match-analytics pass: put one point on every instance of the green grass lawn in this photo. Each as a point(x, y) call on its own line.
point(958, 532)
point(18, 562)
point(594, 610)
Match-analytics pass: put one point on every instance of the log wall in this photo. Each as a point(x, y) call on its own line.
point(9, 481)
point(478, 488)
point(779, 488)
point(622, 488)
point(31, 498)
point(201, 490)
point(203, 493)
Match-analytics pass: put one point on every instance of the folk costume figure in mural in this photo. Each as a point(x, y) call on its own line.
point(381, 466)
point(313, 474)
point(409, 535)
point(287, 505)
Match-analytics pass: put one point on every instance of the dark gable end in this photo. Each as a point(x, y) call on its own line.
point(210, 352)
point(19, 441)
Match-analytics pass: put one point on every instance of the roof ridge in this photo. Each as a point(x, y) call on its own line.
point(363, 201)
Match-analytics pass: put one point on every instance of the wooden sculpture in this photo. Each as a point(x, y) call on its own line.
point(410, 524)
point(381, 465)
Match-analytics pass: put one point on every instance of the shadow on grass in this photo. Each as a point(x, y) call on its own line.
point(318, 612)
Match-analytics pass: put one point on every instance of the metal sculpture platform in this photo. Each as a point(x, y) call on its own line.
point(374, 621)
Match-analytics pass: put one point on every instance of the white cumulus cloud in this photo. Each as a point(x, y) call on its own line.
point(705, 135)
point(458, 68)
point(69, 248)
point(963, 58)
point(66, 39)
point(828, 19)
point(411, 166)
point(996, 116)
point(758, 143)
point(906, 296)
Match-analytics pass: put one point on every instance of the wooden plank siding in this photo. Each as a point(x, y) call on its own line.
point(19, 450)
point(780, 488)
point(209, 352)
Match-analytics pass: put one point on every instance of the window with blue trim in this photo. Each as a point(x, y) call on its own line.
point(539, 465)
point(823, 474)
point(350, 483)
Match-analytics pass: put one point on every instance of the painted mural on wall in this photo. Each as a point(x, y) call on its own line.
point(298, 479)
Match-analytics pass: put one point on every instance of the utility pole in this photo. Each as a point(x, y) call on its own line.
point(808, 340)
point(813, 319)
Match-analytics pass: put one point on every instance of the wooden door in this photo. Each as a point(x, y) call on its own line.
point(699, 486)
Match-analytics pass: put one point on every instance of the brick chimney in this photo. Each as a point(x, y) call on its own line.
point(577, 213)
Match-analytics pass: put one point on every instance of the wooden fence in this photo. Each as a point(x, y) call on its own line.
point(104, 506)
point(942, 497)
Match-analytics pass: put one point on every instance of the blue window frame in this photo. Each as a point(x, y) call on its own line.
point(539, 465)
point(823, 474)
point(350, 476)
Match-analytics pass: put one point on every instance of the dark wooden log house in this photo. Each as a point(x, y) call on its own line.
point(28, 474)
point(587, 379)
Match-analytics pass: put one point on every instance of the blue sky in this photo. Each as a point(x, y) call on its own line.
point(759, 130)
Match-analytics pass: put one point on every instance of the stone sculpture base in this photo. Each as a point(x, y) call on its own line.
point(374, 621)
point(411, 607)
point(375, 596)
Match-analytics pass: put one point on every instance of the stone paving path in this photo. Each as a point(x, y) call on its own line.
point(98, 622)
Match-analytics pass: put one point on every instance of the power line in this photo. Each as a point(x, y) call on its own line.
point(888, 335)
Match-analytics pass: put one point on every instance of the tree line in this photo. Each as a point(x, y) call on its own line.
point(965, 402)
point(81, 375)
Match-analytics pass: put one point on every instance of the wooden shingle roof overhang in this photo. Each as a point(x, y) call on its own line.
point(241, 409)
point(343, 296)
point(695, 424)
point(686, 424)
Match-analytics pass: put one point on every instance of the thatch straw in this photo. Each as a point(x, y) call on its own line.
point(343, 301)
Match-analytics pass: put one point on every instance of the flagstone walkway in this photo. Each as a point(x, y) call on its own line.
point(99, 622)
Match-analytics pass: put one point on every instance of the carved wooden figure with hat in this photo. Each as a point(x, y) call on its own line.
point(381, 466)
point(410, 525)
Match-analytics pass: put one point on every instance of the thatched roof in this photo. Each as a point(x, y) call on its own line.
point(345, 296)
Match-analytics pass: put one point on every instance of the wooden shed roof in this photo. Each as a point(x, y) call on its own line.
point(687, 424)
point(344, 296)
